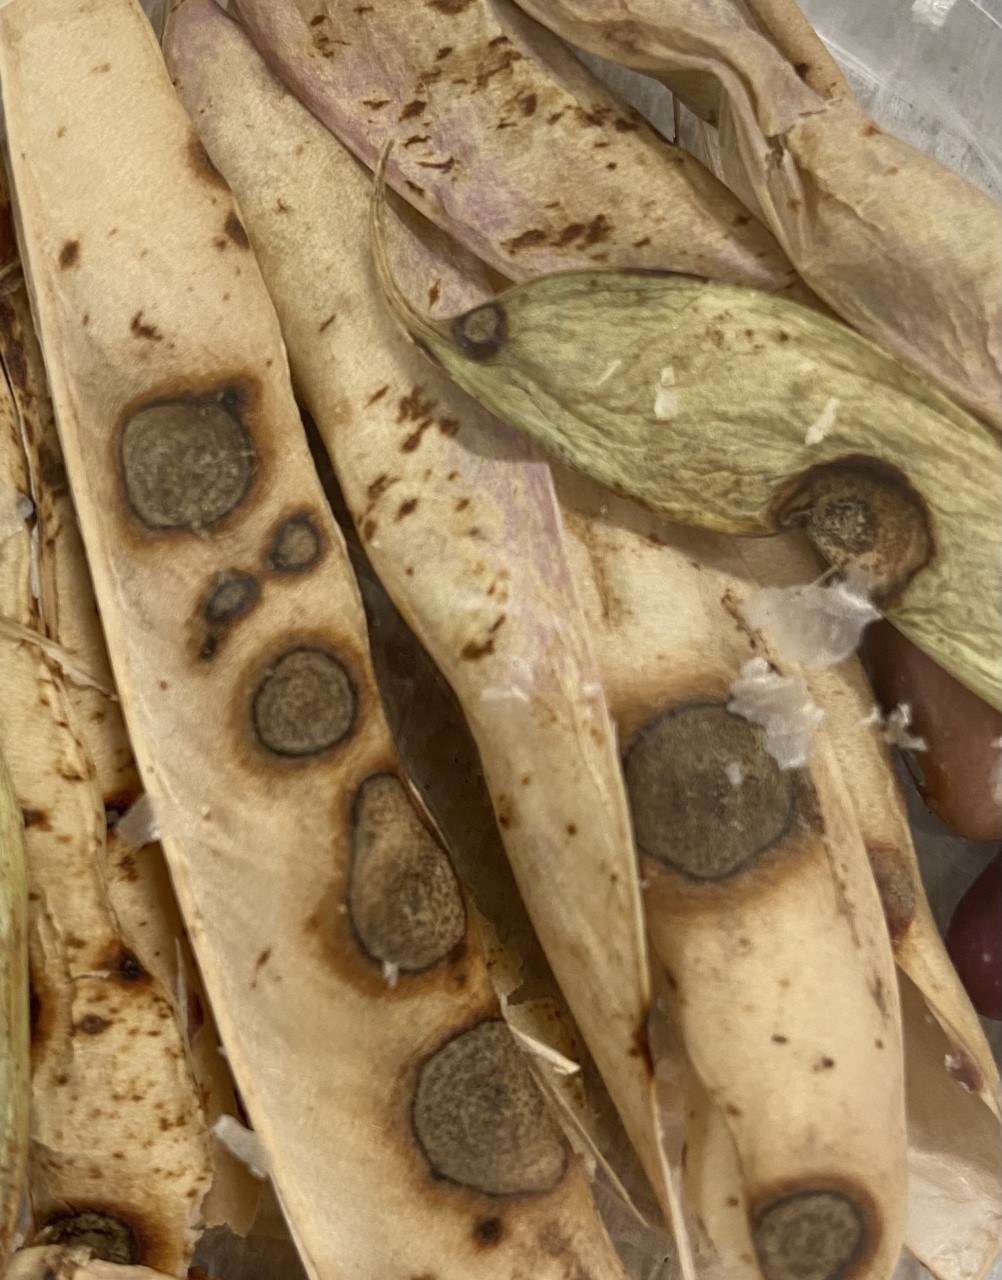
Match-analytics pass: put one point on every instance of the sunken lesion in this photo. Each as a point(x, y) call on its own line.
point(687, 811)
point(863, 515)
point(109, 1239)
point(296, 544)
point(483, 331)
point(186, 461)
point(230, 595)
point(404, 899)
point(480, 1118)
point(814, 1234)
point(304, 703)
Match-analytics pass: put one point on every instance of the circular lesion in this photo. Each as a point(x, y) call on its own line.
point(303, 703)
point(481, 1119)
point(863, 515)
point(809, 1235)
point(186, 462)
point(109, 1239)
point(404, 899)
point(230, 596)
point(295, 546)
point(481, 332)
point(705, 795)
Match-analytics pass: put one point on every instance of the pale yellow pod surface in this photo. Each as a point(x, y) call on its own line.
point(404, 1132)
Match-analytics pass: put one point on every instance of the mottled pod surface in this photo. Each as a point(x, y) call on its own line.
point(235, 629)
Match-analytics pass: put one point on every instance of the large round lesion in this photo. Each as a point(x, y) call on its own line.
point(303, 703)
point(862, 515)
point(186, 462)
point(706, 797)
point(404, 900)
point(480, 1117)
point(809, 1235)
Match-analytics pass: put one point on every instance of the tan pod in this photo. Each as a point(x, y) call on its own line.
point(348, 983)
point(460, 521)
point(139, 893)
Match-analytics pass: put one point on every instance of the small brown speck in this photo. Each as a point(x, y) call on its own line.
point(143, 330)
point(412, 109)
point(326, 324)
point(778, 1039)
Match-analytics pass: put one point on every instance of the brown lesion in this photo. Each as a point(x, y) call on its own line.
point(864, 515)
point(687, 813)
point(404, 899)
point(186, 461)
point(108, 1237)
point(815, 1232)
point(481, 332)
point(304, 702)
point(479, 1117)
point(230, 596)
point(296, 544)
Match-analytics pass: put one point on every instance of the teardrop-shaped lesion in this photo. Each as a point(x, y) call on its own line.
point(404, 900)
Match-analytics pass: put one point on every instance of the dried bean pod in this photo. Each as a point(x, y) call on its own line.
point(404, 1130)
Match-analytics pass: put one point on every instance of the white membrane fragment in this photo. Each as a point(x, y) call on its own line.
point(782, 706)
point(813, 625)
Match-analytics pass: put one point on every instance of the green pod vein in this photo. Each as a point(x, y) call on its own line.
point(729, 409)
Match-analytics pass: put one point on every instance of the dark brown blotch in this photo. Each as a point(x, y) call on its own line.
point(69, 254)
point(186, 462)
point(108, 1238)
point(686, 812)
point(404, 900)
point(488, 1232)
point(295, 546)
point(809, 1235)
point(481, 332)
point(862, 514)
point(480, 1118)
point(303, 703)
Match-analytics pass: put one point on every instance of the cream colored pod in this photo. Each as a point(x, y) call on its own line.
point(404, 1131)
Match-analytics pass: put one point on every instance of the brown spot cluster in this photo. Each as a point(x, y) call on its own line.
point(862, 514)
point(581, 235)
point(186, 462)
point(404, 900)
point(480, 1118)
point(303, 703)
point(809, 1235)
point(686, 812)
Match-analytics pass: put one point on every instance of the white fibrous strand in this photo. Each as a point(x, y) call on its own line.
point(782, 706)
